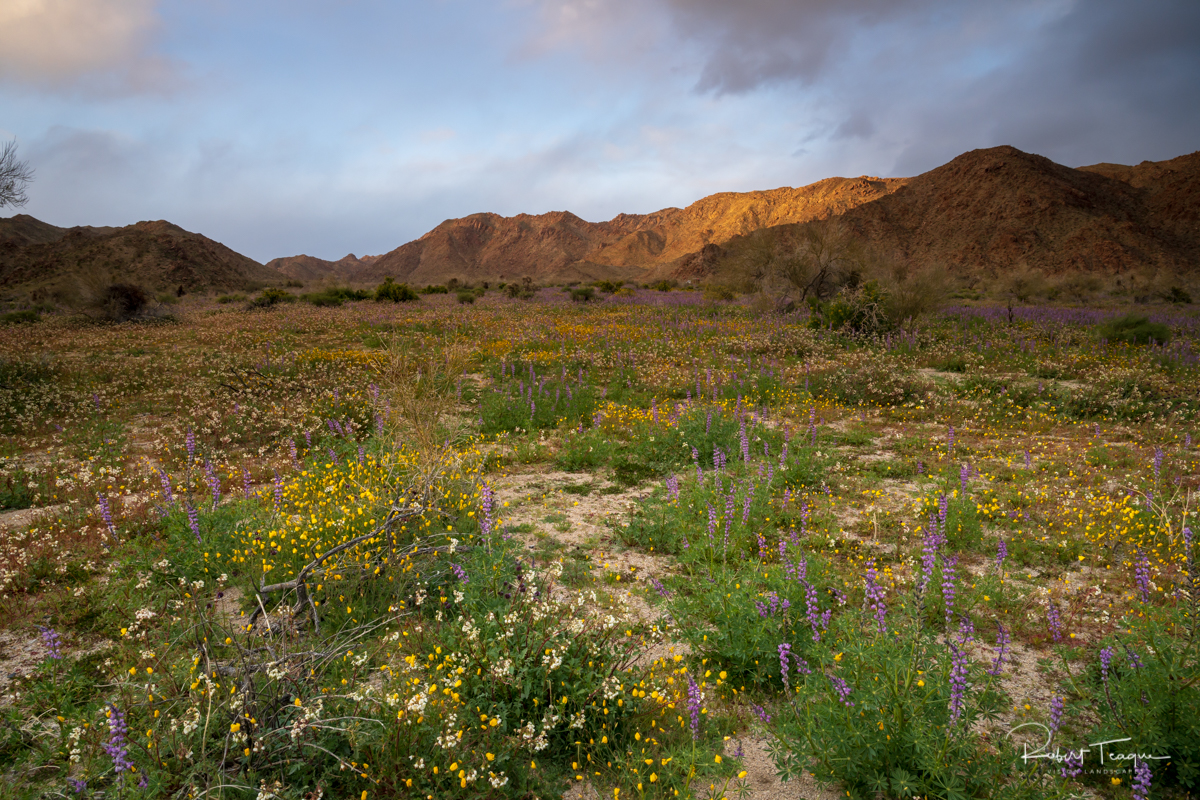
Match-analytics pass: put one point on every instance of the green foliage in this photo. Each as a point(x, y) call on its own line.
point(226, 299)
point(582, 295)
point(465, 297)
point(608, 287)
point(19, 488)
point(894, 734)
point(435, 289)
point(716, 292)
point(269, 298)
point(335, 296)
point(390, 291)
point(19, 317)
point(1134, 329)
point(861, 309)
point(1152, 691)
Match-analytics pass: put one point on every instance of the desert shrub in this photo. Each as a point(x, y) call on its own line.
point(236, 297)
point(1134, 329)
point(1177, 294)
point(894, 713)
point(465, 297)
point(19, 317)
point(435, 289)
point(608, 287)
point(168, 299)
point(716, 292)
point(521, 291)
point(121, 302)
point(335, 296)
point(582, 295)
point(1143, 689)
point(272, 297)
point(663, 285)
point(390, 291)
point(292, 283)
point(861, 309)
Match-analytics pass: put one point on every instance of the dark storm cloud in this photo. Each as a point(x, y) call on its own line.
point(928, 79)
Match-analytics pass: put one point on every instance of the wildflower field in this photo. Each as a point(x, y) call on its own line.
point(641, 545)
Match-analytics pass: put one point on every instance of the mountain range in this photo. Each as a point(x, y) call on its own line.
point(988, 210)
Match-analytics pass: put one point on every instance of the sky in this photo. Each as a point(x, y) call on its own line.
point(335, 126)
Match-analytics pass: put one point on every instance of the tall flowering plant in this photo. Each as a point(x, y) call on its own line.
point(892, 710)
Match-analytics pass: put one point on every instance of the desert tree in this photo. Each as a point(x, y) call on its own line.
point(14, 175)
point(823, 257)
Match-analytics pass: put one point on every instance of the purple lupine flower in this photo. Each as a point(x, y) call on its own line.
point(663, 592)
point(1056, 712)
point(950, 437)
point(294, 453)
point(654, 409)
point(712, 523)
point(1106, 657)
point(1054, 620)
point(928, 554)
point(1158, 460)
point(920, 467)
point(1002, 640)
point(308, 439)
point(1141, 780)
point(1001, 554)
point(193, 516)
point(875, 595)
point(948, 587)
point(761, 713)
point(278, 489)
point(190, 444)
point(708, 420)
point(966, 629)
point(964, 475)
point(696, 461)
point(460, 573)
point(246, 482)
point(842, 689)
point(1028, 461)
point(1072, 764)
point(1135, 661)
point(958, 681)
point(784, 650)
point(106, 514)
point(485, 519)
point(51, 641)
point(117, 746)
point(165, 480)
point(378, 424)
point(694, 701)
point(818, 621)
point(1142, 572)
point(333, 456)
point(78, 786)
point(360, 454)
point(746, 504)
point(214, 483)
point(673, 487)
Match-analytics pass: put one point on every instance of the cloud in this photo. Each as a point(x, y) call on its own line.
point(94, 44)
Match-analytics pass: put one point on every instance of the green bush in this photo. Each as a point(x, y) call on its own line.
point(168, 299)
point(19, 317)
point(335, 296)
point(715, 292)
point(390, 291)
point(1134, 329)
point(236, 297)
point(272, 297)
point(862, 310)
point(465, 297)
point(435, 290)
point(1148, 692)
point(582, 295)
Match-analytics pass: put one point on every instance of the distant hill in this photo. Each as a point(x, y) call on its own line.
point(988, 210)
point(999, 208)
point(560, 246)
point(310, 268)
point(158, 256)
